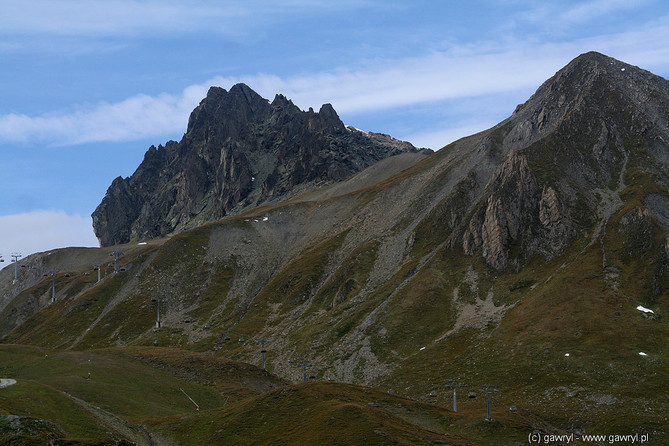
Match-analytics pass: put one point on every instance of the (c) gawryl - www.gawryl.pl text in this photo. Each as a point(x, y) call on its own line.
point(541, 438)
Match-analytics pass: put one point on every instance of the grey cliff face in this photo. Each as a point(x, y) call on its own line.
point(517, 211)
point(239, 151)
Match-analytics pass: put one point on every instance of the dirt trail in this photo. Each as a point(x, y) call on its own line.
point(118, 426)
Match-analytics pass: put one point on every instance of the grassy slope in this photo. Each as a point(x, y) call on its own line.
point(557, 309)
point(603, 386)
point(141, 388)
point(132, 389)
point(334, 413)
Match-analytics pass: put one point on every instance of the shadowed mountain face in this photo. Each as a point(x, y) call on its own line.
point(518, 257)
point(240, 150)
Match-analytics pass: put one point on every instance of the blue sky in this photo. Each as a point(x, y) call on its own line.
point(87, 87)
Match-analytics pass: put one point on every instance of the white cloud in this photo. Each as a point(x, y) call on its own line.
point(432, 78)
point(134, 118)
point(475, 71)
point(556, 15)
point(44, 230)
point(594, 9)
point(119, 18)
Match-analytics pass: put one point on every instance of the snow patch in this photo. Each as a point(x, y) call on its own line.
point(642, 354)
point(353, 129)
point(6, 382)
point(644, 309)
point(422, 348)
point(566, 354)
point(141, 243)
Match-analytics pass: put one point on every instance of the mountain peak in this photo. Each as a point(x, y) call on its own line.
point(576, 137)
point(226, 111)
point(590, 67)
point(329, 115)
point(239, 150)
point(591, 80)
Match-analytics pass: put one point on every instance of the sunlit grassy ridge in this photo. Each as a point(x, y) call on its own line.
point(335, 413)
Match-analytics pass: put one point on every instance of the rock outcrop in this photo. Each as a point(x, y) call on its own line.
point(239, 151)
point(514, 205)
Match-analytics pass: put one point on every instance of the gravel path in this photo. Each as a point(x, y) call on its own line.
point(123, 428)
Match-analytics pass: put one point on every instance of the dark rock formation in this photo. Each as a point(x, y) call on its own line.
point(239, 151)
point(517, 212)
point(507, 211)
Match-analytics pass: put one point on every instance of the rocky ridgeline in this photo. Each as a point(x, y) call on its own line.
point(239, 151)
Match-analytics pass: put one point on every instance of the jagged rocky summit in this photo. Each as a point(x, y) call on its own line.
point(239, 151)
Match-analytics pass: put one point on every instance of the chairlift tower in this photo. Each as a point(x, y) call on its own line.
point(53, 273)
point(15, 256)
point(303, 364)
point(116, 255)
point(455, 385)
point(158, 299)
point(262, 343)
point(97, 267)
point(489, 390)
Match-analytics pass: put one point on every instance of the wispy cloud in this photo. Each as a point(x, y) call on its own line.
point(109, 18)
point(591, 10)
point(44, 230)
point(131, 119)
point(552, 20)
point(487, 68)
point(561, 14)
point(432, 78)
